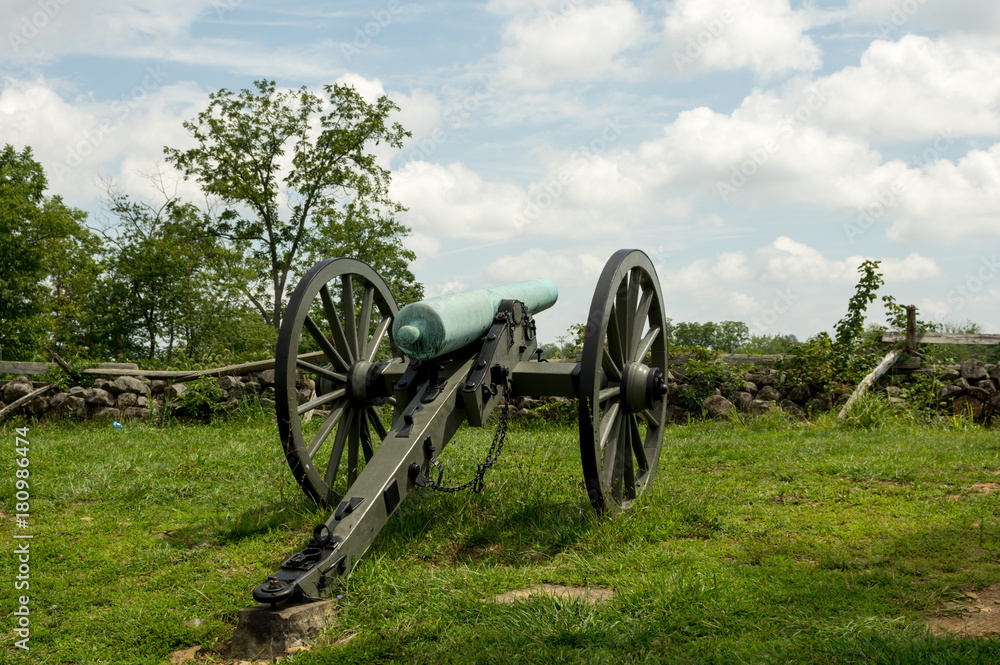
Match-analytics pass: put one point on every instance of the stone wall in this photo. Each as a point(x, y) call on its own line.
point(967, 388)
point(130, 397)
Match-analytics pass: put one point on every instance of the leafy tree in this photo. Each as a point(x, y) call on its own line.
point(850, 328)
point(33, 229)
point(296, 176)
point(726, 336)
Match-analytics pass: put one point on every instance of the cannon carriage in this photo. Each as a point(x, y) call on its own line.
point(433, 365)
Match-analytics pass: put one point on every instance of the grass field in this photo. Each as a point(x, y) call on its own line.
point(762, 541)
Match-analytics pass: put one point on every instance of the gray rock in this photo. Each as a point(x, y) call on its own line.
point(742, 400)
point(105, 413)
point(769, 394)
point(675, 396)
point(76, 406)
point(761, 407)
point(717, 405)
point(227, 382)
point(101, 384)
point(253, 388)
point(57, 400)
point(827, 401)
point(751, 387)
point(978, 393)
point(303, 395)
point(897, 401)
point(157, 386)
point(815, 405)
point(973, 369)
point(967, 405)
point(232, 404)
point(994, 371)
point(793, 409)
point(38, 405)
point(893, 391)
point(78, 391)
point(951, 391)
point(236, 389)
point(987, 385)
point(99, 397)
point(799, 394)
point(763, 377)
point(951, 374)
point(675, 414)
point(176, 390)
point(266, 377)
point(129, 384)
point(15, 390)
point(267, 403)
point(911, 363)
point(962, 383)
point(126, 400)
point(134, 413)
point(141, 401)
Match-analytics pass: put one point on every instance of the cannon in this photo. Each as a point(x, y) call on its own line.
point(433, 365)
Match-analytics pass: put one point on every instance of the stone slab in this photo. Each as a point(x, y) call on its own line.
point(263, 633)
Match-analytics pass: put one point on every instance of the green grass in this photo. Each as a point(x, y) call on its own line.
point(765, 540)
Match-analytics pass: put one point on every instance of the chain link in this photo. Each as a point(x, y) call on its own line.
point(499, 435)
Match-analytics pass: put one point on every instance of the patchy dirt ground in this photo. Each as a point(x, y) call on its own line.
point(977, 615)
point(592, 595)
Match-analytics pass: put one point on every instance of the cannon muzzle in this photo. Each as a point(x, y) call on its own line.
point(436, 326)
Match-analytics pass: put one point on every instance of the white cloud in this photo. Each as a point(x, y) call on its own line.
point(566, 267)
point(79, 140)
point(566, 42)
point(915, 88)
point(786, 260)
point(766, 36)
point(955, 15)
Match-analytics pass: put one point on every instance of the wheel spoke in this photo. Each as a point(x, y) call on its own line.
point(377, 423)
point(365, 320)
point(628, 472)
point(632, 300)
point(640, 323)
point(350, 326)
point(650, 419)
point(615, 466)
point(321, 371)
point(608, 393)
point(645, 345)
point(622, 315)
point(608, 424)
point(637, 447)
point(321, 400)
point(615, 340)
point(353, 443)
point(366, 438)
point(608, 365)
point(339, 338)
point(338, 449)
point(324, 430)
point(325, 344)
point(377, 337)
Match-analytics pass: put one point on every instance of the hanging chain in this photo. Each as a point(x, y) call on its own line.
point(499, 436)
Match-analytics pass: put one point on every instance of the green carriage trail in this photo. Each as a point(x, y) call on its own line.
point(769, 540)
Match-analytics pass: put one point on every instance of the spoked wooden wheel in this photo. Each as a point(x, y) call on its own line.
point(623, 382)
point(347, 309)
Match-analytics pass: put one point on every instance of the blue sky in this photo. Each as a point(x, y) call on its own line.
point(758, 150)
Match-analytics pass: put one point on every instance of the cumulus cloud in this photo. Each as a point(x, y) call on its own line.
point(915, 89)
point(765, 36)
point(568, 41)
point(786, 260)
point(566, 267)
point(79, 140)
point(972, 16)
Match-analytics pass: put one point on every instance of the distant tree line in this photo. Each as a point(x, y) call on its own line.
point(289, 179)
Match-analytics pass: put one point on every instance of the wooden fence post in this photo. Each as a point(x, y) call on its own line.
point(911, 329)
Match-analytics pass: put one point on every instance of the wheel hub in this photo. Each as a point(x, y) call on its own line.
point(643, 387)
point(364, 385)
